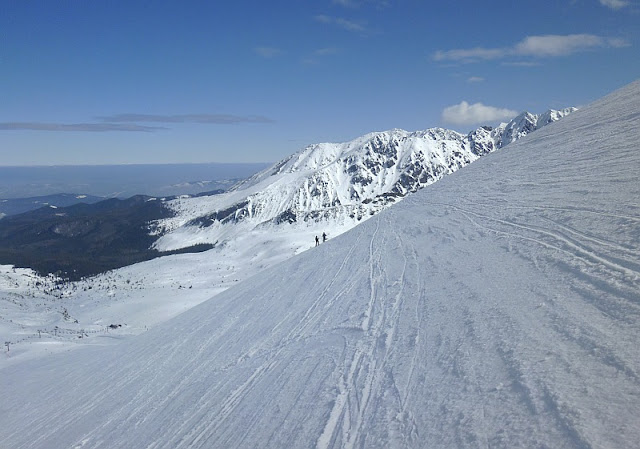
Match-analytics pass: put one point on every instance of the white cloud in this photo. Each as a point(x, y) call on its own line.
point(555, 45)
point(471, 114)
point(475, 79)
point(614, 4)
point(549, 45)
point(268, 52)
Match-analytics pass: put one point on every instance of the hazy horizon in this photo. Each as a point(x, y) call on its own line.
point(121, 180)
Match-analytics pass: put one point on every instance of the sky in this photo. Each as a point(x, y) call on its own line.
point(138, 82)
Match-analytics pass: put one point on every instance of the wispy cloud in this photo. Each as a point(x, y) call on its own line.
point(614, 4)
point(131, 122)
point(520, 63)
point(358, 3)
point(471, 54)
point(554, 45)
point(471, 114)
point(81, 127)
point(341, 22)
point(347, 3)
point(326, 51)
point(533, 46)
point(317, 55)
point(268, 52)
point(475, 79)
point(210, 119)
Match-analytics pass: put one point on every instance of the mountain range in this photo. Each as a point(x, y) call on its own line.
point(331, 184)
point(14, 206)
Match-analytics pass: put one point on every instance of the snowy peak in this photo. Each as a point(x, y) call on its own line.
point(553, 116)
point(526, 123)
point(328, 184)
point(518, 127)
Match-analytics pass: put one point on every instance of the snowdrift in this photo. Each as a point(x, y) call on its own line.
point(500, 307)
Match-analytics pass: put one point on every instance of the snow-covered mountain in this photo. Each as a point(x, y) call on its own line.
point(526, 123)
point(339, 183)
point(500, 307)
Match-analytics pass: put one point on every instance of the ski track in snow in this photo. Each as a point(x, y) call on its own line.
point(576, 249)
point(499, 308)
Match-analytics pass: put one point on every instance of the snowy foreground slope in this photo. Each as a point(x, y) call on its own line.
point(499, 307)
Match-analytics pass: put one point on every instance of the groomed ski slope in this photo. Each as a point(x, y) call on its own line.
point(499, 307)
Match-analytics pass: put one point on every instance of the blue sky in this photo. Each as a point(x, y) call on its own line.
point(252, 81)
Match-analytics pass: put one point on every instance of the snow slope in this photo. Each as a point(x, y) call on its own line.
point(500, 307)
point(40, 316)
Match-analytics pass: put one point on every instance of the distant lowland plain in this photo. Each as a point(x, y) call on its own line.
point(121, 181)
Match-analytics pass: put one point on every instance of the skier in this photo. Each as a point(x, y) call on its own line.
point(317, 241)
point(324, 237)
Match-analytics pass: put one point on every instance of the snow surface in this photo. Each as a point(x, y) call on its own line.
point(500, 307)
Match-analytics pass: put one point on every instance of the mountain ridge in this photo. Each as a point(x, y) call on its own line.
point(343, 182)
